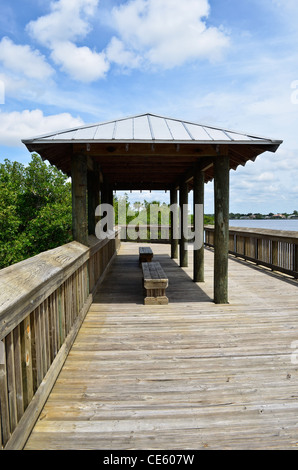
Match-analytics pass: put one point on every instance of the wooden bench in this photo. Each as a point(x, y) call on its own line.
point(145, 254)
point(155, 283)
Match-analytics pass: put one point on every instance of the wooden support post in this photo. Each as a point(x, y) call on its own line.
point(79, 199)
point(174, 224)
point(93, 199)
point(103, 197)
point(183, 225)
point(110, 195)
point(221, 236)
point(198, 204)
point(107, 198)
point(104, 200)
point(110, 201)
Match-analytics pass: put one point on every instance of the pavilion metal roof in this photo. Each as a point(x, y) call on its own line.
point(148, 151)
point(148, 127)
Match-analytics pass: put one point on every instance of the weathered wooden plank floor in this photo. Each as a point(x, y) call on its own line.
point(189, 375)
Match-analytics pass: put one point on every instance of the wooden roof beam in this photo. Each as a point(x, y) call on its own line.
point(203, 164)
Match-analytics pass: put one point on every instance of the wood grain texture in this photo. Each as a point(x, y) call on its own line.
point(25, 285)
point(41, 311)
point(188, 375)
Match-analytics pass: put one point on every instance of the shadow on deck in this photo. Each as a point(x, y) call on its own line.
point(123, 283)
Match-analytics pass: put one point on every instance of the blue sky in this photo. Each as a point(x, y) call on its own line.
point(226, 63)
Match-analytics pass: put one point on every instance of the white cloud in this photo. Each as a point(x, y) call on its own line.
point(22, 59)
point(12, 85)
point(80, 63)
point(68, 20)
point(266, 176)
point(168, 32)
point(116, 53)
point(165, 33)
point(15, 126)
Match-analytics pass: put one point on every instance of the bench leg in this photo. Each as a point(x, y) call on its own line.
point(156, 297)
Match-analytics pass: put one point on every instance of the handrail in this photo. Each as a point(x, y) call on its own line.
point(274, 249)
point(43, 302)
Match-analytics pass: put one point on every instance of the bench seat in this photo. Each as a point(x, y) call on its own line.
point(145, 254)
point(155, 283)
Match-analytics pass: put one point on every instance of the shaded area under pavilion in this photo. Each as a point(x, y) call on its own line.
point(150, 152)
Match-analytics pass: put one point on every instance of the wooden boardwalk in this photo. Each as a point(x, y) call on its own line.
point(188, 375)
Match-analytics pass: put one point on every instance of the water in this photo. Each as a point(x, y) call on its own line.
point(271, 224)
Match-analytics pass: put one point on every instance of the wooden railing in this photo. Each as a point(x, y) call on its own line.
point(43, 302)
point(277, 250)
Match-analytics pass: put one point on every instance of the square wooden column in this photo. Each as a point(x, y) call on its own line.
point(183, 202)
point(174, 224)
point(79, 199)
point(221, 232)
point(107, 198)
point(111, 203)
point(198, 204)
point(93, 181)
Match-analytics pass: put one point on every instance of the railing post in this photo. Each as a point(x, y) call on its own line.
point(4, 400)
point(244, 246)
point(275, 253)
point(256, 247)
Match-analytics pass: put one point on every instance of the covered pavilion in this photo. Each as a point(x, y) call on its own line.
point(150, 152)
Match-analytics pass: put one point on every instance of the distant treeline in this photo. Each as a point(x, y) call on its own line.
point(35, 209)
point(270, 215)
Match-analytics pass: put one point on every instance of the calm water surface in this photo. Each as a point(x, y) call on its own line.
point(278, 224)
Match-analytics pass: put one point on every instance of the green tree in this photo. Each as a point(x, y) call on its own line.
point(35, 209)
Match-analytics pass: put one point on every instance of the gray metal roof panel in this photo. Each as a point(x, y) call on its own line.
point(149, 127)
point(86, 133)
point(124, 130)
point(142, 129)
point(178, 130)
point(160, 129)
point(104, 131)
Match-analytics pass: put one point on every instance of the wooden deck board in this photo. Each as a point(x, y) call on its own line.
point(188, 375)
